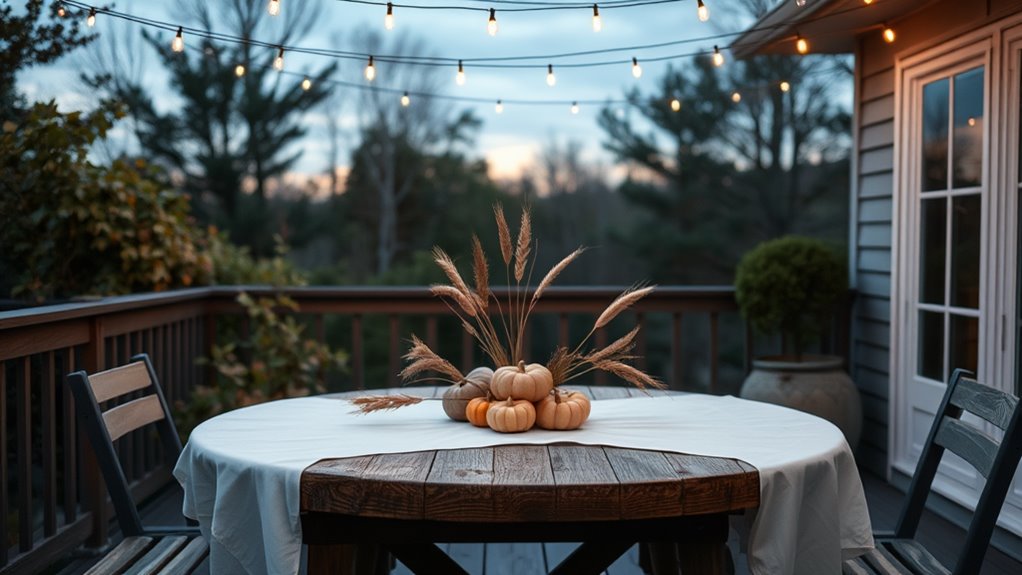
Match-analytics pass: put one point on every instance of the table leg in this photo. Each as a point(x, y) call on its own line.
point(592, 558)
point(425, 558)
point(663, 558)
point(704, 557)
point(331, 559)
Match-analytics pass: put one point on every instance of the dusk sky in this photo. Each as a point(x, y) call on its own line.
point(508, 141)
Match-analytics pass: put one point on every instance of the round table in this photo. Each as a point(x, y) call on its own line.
point(608, 498)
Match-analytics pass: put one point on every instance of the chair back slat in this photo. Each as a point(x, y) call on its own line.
point(968, 443)
point(991, 404)
point(130, 416)
point(118, 381)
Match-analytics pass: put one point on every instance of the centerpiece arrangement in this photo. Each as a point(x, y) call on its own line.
point(516, 395)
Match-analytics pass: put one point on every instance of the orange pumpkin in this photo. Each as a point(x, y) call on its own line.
point(532, 382)
point(562, 410)
point(456, 397)
point(511, 416)
point(475, 411)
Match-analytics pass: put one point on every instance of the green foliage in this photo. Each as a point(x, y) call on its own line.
point(234, 265)
point(791, 285)
point(277, 361)
point(30, 38)
point(75, 228)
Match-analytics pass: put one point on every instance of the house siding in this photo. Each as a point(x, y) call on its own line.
point(872, 197)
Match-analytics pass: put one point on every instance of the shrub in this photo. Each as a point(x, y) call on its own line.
point(790, 285)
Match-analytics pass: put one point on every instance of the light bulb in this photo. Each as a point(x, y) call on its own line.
point(597, 23)
point(574, 107)
point(702, 11)
point(785, 86)
point(499, 108)
point(388, 20)
point(61, 11)
point(491, 25)
point(91, 20)
point(636, 68)
point(239, 70)
point(800, 3)
point(405, 100)
point(888, 34)
point(178, 43)
point(867, 2)
point(273, 7)
point(675, 104)
point(551, 80)
point(736, 97)
point(718, 58)
point(459, 79)
point(306, 84)
point(801, 45)
point(370, 70)
point(278, 62)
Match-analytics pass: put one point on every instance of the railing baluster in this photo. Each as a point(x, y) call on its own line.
point(750, 343)
point(4, 472)
point(677, 361)
point(394, 363)
point(562, 329)
point(70, 447)
point(431, 333)
point(207, 346)
point(24, 440)
point(357, 357)
point(467, 349)
point(714, 348)
point(601, 342)
point(48, 412)
point(94, 490)
point(640, 341)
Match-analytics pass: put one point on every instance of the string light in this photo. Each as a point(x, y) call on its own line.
point(60, 10)
point(278, 62)
point(459, 79)
point(736, 97)
point(702, 11)
point(636, 68)
point(405, 100)
point(867, 2)
point(785, 86)
point(491, 24)
point(718, 58)
point(801, 44)
point(574, 107)
point(306, 84)
point(801, 3)
point(91, 20)
point(597, 23)
point(273, 7)
point(388, 20)
point(675, 104)
point(499, 108)
point(239, 70)
point(370, 72)
point(178, 43)
point(551, 80)
point(888, 34)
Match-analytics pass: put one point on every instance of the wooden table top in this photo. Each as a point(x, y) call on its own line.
point(529, 483)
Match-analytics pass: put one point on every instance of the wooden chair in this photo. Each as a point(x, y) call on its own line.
point(898, 552)
point(164, 550)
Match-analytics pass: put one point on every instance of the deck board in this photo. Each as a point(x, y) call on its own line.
point(941, 537)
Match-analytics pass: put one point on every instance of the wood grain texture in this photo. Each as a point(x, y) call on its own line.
point(120, 557)
point(459, 485)
point(523, 483)
point(132, 415)
point(119, 381)
point(587, 488)
point(991, 404)
point(184, 562)
point(916, 557)
point(649, 486)
point(160, 554)
point(968, 443)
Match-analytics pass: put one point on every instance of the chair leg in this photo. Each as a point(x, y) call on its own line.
point(663, 558)
point(645, 563)
point(331, 559)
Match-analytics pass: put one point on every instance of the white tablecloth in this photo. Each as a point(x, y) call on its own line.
point(241, 470)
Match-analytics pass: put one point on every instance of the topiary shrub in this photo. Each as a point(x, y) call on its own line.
point(790, 285)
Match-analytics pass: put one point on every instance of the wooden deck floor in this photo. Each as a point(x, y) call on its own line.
point(941, 537)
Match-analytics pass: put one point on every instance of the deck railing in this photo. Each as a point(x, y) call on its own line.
point(53, 499)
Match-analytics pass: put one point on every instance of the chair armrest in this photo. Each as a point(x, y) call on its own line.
point(171, 530)
point(885, 534)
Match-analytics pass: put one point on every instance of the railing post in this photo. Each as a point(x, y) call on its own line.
point(94, 490)
point(209, 323)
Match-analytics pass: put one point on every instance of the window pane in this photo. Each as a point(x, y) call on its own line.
point(935, 129)
point(964, 342)
point(965, 233)
point(968, 139)
point(931, 345)
point(932, 250)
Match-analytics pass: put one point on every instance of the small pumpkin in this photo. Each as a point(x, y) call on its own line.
point(532, 382)
point(511, 416)
point(475, 411)
point(562, 410)
point(456, 397)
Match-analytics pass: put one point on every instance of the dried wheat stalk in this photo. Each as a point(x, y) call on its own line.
point(371, 403)
point(623, 302)
point(481, 271)
point(632, 375)
point(524, 245)
point(424, 359)
point(616, 350)
point(469, 306)
point(503, 233)
point(554, 272)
